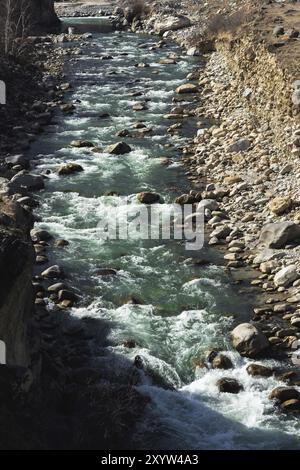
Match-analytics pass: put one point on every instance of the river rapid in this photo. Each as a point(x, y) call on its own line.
point(183, 309)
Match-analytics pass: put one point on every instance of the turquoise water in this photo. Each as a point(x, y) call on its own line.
point(183, 309)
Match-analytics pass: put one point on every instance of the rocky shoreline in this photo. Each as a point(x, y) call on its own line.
point(251, 208)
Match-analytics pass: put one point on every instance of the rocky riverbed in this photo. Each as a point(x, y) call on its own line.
point(250, 199)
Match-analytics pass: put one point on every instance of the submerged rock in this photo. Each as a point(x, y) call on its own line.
point(81, 143)
point(61, 243)
point(107, 272)
point(248, 340)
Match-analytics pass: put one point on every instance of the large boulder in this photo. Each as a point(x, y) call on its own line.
point(172, 23)
point(248, 340)
point(278, 234)
point(286, 276)
point(118, 149)
point(69, 168)
point(28, 181)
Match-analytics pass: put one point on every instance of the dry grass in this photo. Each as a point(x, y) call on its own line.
point(228, 26)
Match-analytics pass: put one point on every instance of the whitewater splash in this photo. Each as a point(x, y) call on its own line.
point(172, 305)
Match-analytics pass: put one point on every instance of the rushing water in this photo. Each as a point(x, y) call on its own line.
point(184, 309)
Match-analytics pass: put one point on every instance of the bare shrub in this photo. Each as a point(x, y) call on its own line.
point(15, 22)
point(138, 8)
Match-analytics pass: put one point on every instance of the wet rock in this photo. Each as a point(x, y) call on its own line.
point(131, 300)
point(56, 287)
point(27, 181)
point(147, 197)
point(61, 243)
point(38, 235)
point(283, 394)
point(65, 294)
point(119, 148)
point(248, 340)
point(81, 143)
point(28, 201)
point(69, 168)
point(257, 370)
point(229, 385)
point(67, 108)
point(41, 259)
point(53, 272)
point(138, 362)
point(186, 88)
point(123, 133)
point(286, 276)
point(222, 362)
point(278, 234)
point(18, 160)
point(185, 199)
point(290, 406)
point(279, 205)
